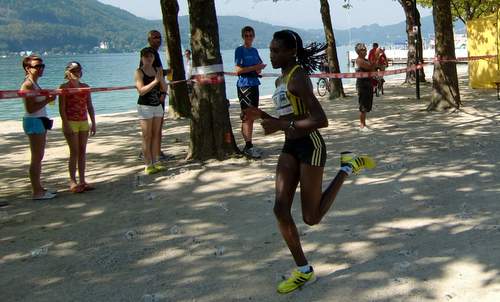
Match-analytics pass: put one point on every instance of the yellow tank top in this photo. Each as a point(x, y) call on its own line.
point(284, 101)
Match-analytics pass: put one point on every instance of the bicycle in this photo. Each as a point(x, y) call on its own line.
point(323, 86)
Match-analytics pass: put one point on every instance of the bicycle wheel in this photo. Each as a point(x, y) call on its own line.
point(322, 86)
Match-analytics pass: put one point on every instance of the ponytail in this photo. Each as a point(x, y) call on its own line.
point(311, 57)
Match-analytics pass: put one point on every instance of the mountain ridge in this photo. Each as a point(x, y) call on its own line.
point(60, 26)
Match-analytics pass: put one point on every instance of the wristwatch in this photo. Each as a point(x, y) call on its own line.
point(291, 125)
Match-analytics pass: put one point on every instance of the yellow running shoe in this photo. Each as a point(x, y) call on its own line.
point(356, 162)
point(297, 280)
point(345, 157)
point(150, 170)
point(159, 167)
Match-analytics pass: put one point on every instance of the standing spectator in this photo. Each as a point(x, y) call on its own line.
point(364, 85)
point(372, 55)
point(75, 109)
point(149, 81)
point(187, 63)
point(188, 69)
point(36, 123)
point(248, 67)
point(372, 58)
point(382, 64)
point(154, 41)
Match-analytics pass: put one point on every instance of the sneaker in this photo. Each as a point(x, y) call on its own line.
point(297, 280)
point(252, 152)
point(46, 195)
point(150, 170)
point(258, 150)
point(159, 167)
point(345, 157)
point(357, 163)
point(165, 157)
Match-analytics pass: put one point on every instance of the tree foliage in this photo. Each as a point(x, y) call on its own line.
point(468, 9)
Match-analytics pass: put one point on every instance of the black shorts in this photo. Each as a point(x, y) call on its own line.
point(365, 93)
point(309, 149)
point(248, 96)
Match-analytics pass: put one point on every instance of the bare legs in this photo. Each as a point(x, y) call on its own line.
point(362, 119)
point(156, 138)
point(77, 143)
point(151, 139)
point(315, 204)
point(287, 179)
point(160, 135)
point(72, 139)
point(82, 155)
point(247, 129)
point(37, 148)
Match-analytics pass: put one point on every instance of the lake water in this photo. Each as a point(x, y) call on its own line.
point(108, 70)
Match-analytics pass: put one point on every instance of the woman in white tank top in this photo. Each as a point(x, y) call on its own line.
point(35, 124)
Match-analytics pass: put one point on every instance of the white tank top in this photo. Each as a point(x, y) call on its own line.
point(40, 113)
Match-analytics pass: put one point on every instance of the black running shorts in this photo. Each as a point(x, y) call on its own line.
point(248, 96)
point(309, 149)
point(365, 93)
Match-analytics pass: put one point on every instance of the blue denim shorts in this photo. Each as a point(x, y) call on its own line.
point(33, 125)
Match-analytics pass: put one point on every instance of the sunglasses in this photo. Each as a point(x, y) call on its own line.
point(249, 36)
point(38, 66)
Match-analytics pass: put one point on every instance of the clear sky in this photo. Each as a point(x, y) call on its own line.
point(294, 13)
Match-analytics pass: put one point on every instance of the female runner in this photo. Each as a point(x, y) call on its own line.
point(303, 156)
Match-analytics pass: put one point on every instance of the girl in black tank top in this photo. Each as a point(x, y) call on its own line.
point(152, 98)
point(149, 82)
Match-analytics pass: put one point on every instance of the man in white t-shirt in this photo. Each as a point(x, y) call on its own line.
point(187, 63)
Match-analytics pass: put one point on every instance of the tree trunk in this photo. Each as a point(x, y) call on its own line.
point(337, 89)
point(412, 41)
point(178, 103)
point(211, 132)
point(445, 92)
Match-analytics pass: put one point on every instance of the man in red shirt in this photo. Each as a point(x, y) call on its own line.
point(372, 55)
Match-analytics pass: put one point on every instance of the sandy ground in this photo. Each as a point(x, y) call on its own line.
point(423, 226)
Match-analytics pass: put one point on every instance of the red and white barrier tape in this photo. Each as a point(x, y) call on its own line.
point(217, 78)
point(370, 74)
point(11, 94)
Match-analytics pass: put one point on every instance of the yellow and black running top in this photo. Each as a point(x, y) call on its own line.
point(284, 101)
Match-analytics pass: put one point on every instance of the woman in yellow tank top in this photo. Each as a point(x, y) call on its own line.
point(303, 157)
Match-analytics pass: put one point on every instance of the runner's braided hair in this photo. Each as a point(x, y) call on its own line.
point(309, 57)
